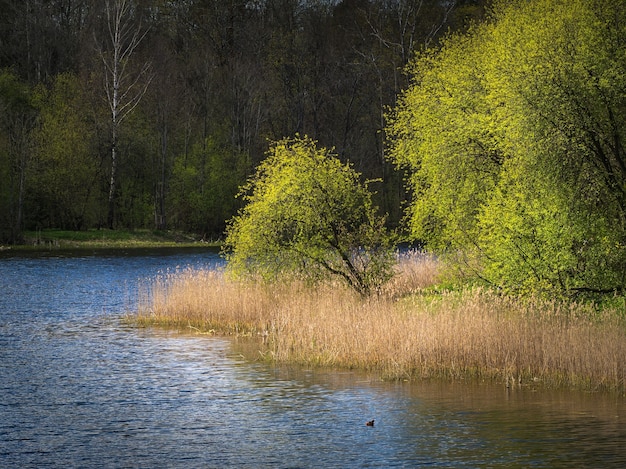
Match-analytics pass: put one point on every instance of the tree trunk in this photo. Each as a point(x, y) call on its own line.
point(112, 184)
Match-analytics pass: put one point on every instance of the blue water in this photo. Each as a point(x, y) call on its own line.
point(81, 387)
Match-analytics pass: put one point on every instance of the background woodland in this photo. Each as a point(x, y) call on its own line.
point(151, 113)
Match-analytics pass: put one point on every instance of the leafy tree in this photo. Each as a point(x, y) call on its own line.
point(63, 192)
point(514, 135)
point(566, 101)
point(308, 215)
point(442, 130)
point(204, 185)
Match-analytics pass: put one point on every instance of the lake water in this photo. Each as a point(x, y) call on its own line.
point(79, 387)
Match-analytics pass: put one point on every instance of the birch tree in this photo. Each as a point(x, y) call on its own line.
point(125, 84)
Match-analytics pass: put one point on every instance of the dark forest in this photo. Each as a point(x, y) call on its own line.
point(151, 114)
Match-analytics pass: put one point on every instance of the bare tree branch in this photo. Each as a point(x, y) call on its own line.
point(124, 84)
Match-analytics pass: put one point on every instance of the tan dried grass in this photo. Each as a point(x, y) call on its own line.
point(403, 333)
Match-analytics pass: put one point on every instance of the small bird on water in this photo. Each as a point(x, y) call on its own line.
point(370, 423)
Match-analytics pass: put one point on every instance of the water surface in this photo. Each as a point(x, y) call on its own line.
point(79, 387)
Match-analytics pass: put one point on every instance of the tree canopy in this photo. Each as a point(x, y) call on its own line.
point(308, 215)
point(514, 136)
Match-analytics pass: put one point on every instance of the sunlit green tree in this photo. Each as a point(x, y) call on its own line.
point(309, 215)
point(514, 135)
point(443, 131)
point(566, 121)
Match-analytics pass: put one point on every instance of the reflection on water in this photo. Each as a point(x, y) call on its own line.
point(79, 388)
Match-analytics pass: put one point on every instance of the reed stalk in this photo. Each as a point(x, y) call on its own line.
point(405, 332)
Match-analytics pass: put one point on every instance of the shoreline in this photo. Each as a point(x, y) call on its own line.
point(472, 334)
point(60, 240)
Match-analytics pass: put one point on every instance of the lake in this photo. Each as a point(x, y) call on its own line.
point(80, 387)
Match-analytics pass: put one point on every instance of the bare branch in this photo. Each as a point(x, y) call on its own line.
point(123, 87)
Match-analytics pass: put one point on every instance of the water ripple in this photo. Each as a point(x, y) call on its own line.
point(79, 388)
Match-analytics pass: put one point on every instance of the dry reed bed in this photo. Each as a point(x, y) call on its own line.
point(474, 334)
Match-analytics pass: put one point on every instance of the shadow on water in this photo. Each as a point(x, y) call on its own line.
point(107, 252)
point(80, 388)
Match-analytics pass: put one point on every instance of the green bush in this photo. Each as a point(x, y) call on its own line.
point(307, 215)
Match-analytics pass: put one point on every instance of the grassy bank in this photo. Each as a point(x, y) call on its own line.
point(406, 333)
point(105, 239)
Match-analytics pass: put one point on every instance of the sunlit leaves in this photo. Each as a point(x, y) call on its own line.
point(307, 214)
point(443, 132)
point(515, 138)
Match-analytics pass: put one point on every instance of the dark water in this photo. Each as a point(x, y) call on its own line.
point(80, 388)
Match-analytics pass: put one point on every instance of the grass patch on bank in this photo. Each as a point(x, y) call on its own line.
point(109, 239)
point(407, 332)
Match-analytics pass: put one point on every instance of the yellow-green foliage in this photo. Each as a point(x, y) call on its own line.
point(514, 135)
point(307, 214)
point(441, 130)
point(405, 332)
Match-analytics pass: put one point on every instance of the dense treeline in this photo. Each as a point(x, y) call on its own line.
point(151, 113)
